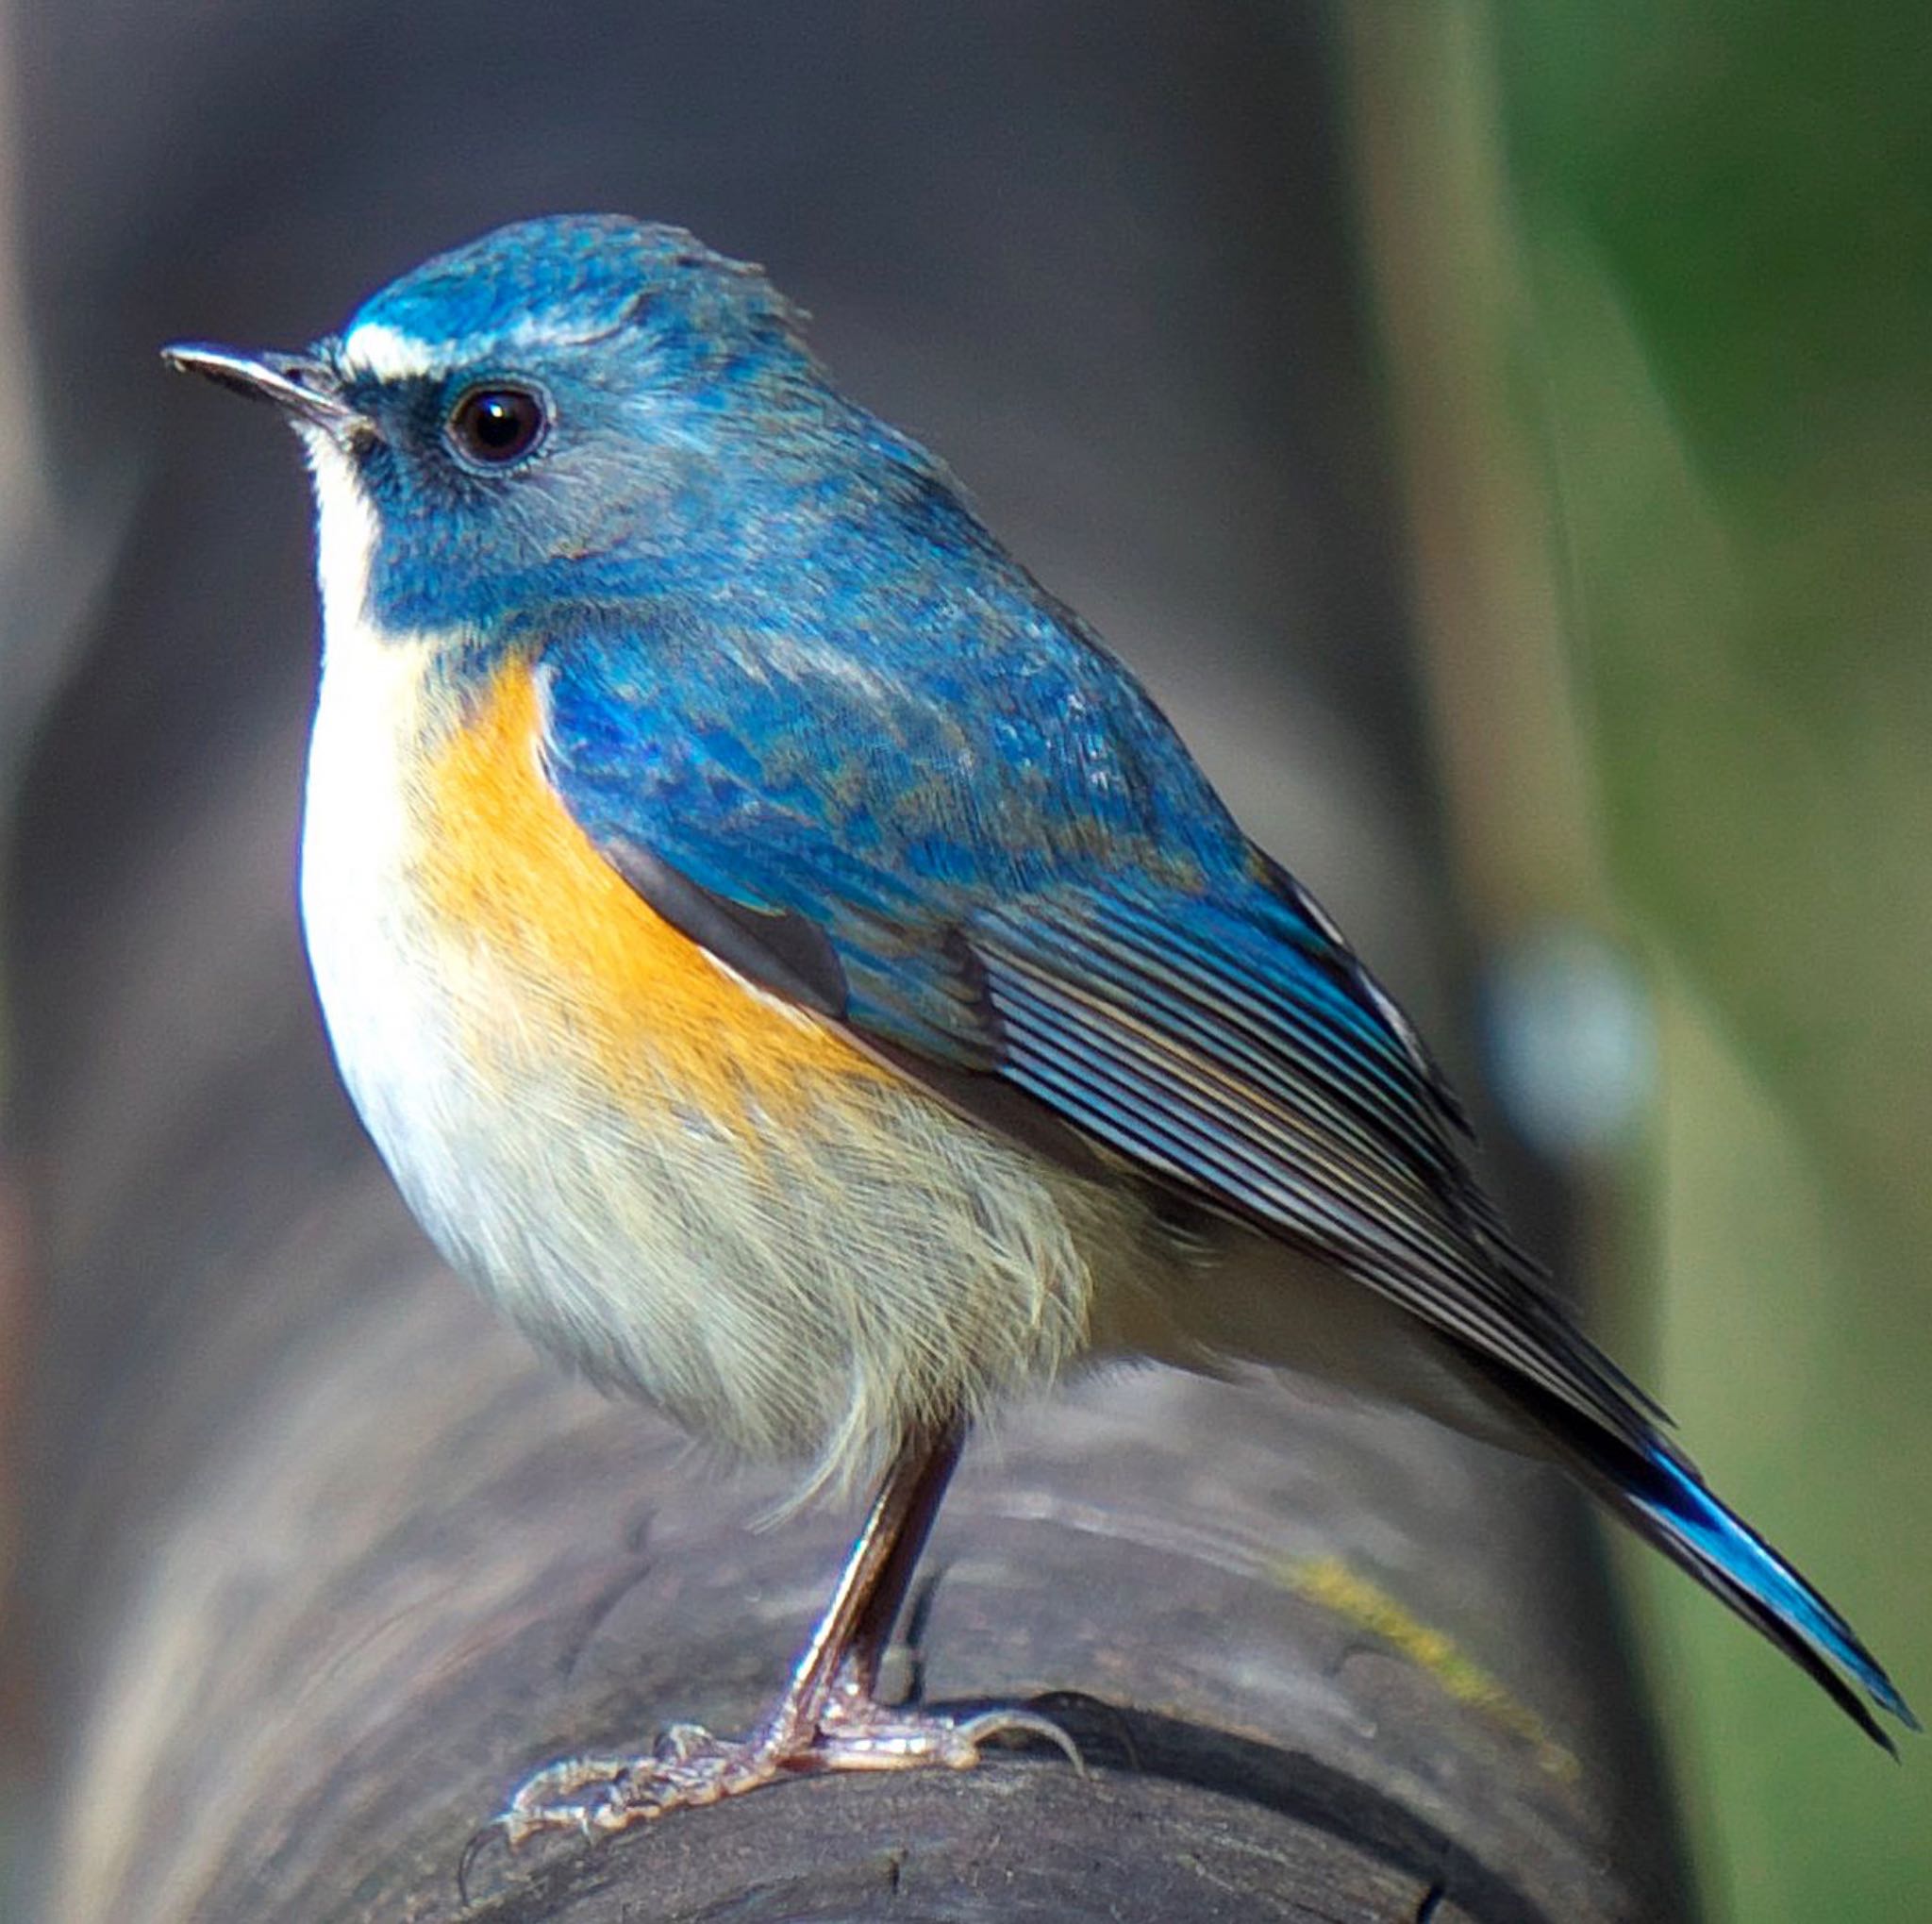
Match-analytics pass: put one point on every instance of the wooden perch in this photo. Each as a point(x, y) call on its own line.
point(407, 1564)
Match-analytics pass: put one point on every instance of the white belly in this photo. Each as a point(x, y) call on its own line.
point(808, 1294)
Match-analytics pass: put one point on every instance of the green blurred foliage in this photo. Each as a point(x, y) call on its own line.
point(1725, 219)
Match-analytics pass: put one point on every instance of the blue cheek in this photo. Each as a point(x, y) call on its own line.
point(430, 581)
point(441, 558)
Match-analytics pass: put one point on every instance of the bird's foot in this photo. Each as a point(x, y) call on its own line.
point(595, 1797)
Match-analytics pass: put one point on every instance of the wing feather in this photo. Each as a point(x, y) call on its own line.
point(1237, 1115)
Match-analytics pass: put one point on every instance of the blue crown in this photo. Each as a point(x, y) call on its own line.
point(585, 276)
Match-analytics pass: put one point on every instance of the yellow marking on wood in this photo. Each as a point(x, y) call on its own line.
point(1327, 1580)
point(603, 981)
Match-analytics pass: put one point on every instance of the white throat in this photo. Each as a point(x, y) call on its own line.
point(345, 535)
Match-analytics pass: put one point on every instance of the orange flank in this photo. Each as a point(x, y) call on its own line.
point(604, 986)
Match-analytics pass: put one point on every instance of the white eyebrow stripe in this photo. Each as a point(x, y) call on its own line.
point(375, 351)
point(386, 353)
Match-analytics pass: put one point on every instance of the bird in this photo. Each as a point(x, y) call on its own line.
point(793, 968)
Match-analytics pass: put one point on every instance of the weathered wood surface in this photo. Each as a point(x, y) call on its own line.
point(318, 1560)
point(407, 1566)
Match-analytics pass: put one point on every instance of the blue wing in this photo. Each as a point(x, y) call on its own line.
point(1008, 872)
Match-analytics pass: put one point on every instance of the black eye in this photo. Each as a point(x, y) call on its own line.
point(495, 427)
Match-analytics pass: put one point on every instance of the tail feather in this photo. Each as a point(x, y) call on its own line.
point(1665, 1500)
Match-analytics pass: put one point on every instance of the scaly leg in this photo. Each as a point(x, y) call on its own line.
point(829, 1717)
point(839, 1670)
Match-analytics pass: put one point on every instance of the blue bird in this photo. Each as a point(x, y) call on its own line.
point(794, 969)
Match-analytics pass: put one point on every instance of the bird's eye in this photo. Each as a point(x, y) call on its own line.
point(496, 426)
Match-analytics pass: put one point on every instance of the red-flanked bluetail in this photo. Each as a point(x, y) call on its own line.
point(793, 968)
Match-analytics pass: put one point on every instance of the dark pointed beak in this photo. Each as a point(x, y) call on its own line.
point(301, 387)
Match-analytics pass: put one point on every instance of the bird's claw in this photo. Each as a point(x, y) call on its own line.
point(1012, 1721)
point(596, 1798)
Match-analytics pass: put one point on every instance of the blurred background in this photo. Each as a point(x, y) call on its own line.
point(1655, 293)
point(1555, 385)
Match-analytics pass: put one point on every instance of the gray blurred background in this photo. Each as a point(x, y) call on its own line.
point(1500, 436)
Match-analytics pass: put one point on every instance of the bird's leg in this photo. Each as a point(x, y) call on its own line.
point(829, 1717)
point(839, 1668)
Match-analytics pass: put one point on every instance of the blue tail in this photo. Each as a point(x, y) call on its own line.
point(1663, 1498)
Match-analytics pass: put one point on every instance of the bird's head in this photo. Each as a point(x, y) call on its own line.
point(568, 409)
